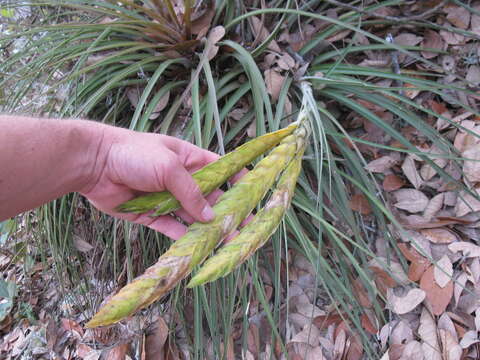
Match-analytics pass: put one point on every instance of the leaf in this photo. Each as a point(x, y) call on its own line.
point(434, 205)
point(432, 40)
point(408, 39)
point(410, 170)
point(468, 249)
point(428, 333)
point(473, 75)
point(469, 338)
point(380, 165)
point(81, 245)
point(359, 203)
point(458, 16)
point(274, 82)
point(419, 263)
point(438, 298)
point(214, 36)
point(155, 341)
point(411, 200)
point(405, 304)
point(119, 352)
point(392, 182)
point(162, 104)
point(439, 236)
point(443, 271)
point(450, 347)
point(412, 351)
point(471, 167)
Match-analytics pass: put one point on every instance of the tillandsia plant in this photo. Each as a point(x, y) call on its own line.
point(231, 209)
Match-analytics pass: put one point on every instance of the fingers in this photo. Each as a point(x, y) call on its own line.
point(212, 200)
point(193, 157)
point(180, 183)
point(165, 224)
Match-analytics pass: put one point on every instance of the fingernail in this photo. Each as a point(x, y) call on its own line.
point(208, 214)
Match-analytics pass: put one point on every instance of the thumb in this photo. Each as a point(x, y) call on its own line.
point(180, 183)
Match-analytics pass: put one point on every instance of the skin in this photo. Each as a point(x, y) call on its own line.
point(43, 159)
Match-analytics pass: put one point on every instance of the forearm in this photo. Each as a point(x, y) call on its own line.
point(43, 159)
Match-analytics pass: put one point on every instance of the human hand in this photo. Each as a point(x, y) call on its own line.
point(130, 163)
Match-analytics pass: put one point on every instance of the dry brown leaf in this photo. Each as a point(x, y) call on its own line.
point(471, 167)
point(437, 298)
point(434, 206)
point(359, 203)
point(451, 38)
point(458, 16)
point(162, 104)
point(411, 200)
point(468, 249)
point(475, 23)
point(405, 304)
point(81, 245)
point(274, 82)
point(469, 338)
point(450, 348)
point(309, 335)
point(286, 62)
point(339, 347)
point(439, 235)
point(428, 333)
point(473, 75)
point(380, 165)
point(459, 286)
point(214, 36)
point(412, 351)
point(154, 347)
point(395, 275)
point(443, 271)
point(419, 263)
point(432, 40)
point(410, 170)
point(262, 33)
point(408, 39)
point(466, 203)
point(119, 352)
point(392, 182)
point(402, 333)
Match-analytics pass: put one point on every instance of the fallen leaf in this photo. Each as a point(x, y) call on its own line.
point(468, 249)
point(119, 352)
point(162, 104)
point(392, 182)
point(434, 206)
point(402, 333)
point(339, 346)
point(471, 167)
point(309, 335)
point(359, 203)
point(432, 40)
point(428, 333)
point(460, 282)
point(439, 236)
point(470, 338)
point(450, 348)
point(412, 351)
point(274, 82)
point(473, 75)
point(458, 16)
point(81, 245)
point(410, 170)
point(405, 304)
point(286, 62)
point(466, 203)
point(214, 36)
point(380, 165)
point(411, 200)
point(443, 271)
point(154, 347)
point(408, 39)
point(438, 298)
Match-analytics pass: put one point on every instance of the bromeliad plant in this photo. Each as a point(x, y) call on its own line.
point(231, 209)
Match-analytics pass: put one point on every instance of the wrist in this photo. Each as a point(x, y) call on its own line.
point(92, 153)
